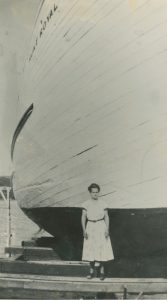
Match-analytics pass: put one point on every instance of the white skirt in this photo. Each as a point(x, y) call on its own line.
point(97, 247)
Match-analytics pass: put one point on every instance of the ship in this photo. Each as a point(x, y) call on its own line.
point(93, 108)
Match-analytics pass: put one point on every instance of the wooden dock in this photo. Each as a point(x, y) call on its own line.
point(22, 286)
point(26, 275)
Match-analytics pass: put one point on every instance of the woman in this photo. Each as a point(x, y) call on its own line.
point(95, 224)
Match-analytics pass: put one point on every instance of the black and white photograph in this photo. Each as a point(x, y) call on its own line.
point(83, 151)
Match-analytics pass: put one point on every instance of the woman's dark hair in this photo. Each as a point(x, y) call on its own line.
point(93, 186)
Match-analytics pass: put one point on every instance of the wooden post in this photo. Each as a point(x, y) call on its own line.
point(6, 197)
point(9, 216)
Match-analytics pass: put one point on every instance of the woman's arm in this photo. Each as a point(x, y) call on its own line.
point(83, 222)
point(107, 221)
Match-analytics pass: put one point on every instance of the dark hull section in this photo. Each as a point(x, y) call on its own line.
point(139, 238)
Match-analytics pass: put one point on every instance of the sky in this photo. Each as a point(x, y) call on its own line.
point(17, 18)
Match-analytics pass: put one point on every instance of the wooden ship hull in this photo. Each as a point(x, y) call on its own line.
point(93, 109)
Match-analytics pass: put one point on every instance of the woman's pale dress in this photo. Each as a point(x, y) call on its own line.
point(97, 247)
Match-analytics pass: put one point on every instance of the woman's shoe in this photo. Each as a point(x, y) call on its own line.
point(90, 276)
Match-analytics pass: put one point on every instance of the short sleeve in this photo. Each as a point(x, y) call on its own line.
point(85, 205)
point(105, 206)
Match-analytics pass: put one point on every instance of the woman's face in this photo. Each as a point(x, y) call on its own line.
point(94, 193)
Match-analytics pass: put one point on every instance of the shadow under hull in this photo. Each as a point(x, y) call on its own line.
point(139, 238)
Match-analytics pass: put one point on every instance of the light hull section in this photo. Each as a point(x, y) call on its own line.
point(96, 75)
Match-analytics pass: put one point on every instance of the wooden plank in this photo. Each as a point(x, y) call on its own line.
point(14, 250)
point(55, 262)
point(16, 293)
point(62, 263)
point(7, 266)
point(33, 252)
point(29, 243)
point(41, 286)
point(84, 286)
point(84, 279)
point(60, 285)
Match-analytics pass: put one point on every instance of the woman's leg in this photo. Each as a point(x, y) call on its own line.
point(102, 275)
point(91, 270)
point(101, 268)
point(92, 267)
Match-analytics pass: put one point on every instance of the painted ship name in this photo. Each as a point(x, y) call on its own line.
point(44, 24)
